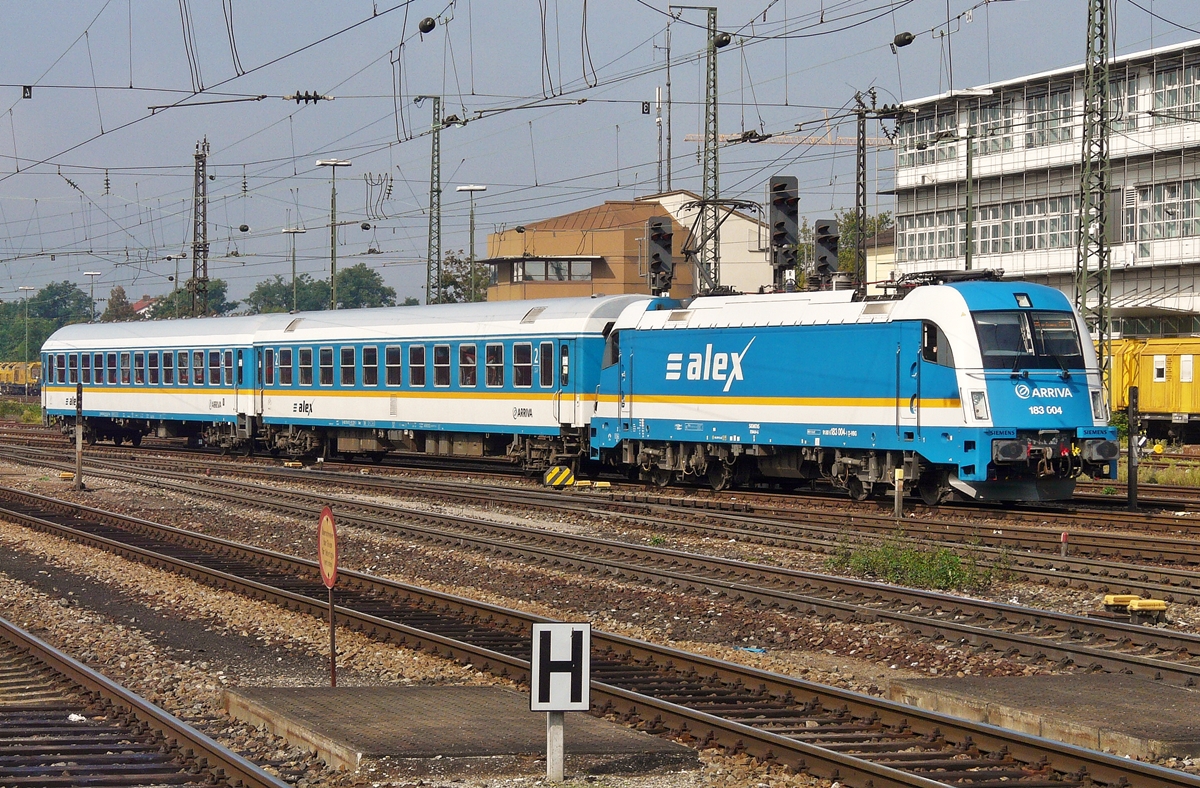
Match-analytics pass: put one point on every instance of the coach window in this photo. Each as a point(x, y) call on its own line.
point(198, 367)
point(416, 365)
point(285, 366)
point(85, 370)
point(184, 377)
point(152, 368)
point(306, 366)
point(139, 368)
point(523, 364)
point(228, 367)
point(441, 365)
point(73, 369)
point(214, 367)
point(168, 368)
point(546, 364)
point(268, 367)
point(934, 345)
point(98, 365)
point(61, 366)
point(493, 360)
point(326, 358)
point(112, 369)
point(370, 364)
point(347, 366)
point(124, 369)
point(391, 360)
point(564, 366)
point(468, 366)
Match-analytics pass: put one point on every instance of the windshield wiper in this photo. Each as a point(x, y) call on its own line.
point(1066, 374)
point(1016, 361)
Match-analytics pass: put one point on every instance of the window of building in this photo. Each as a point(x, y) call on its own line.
point(139, 368)
point(441, 365)
point(992, 127)
point(494, 365)
point(285, 366)
point(416, 365)
point(468, 366)
point(370, 359)
point(1122, 102)
point(546, 364)
point(326, 363)
point(228, 357)
point(1176, 95)
point(927, 139)
point(306, 365)
point(1048, 118)
point(552, 271)
point(1160, 369)
point(392, 361)
point(86, 368)
point(1026, 226)
point(347, 366)
point(523, 364)
point(152, 368)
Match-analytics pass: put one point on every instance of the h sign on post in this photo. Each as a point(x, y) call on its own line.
point(560, 678)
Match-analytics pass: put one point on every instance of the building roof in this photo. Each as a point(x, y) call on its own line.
point(885, 238)
point(996, 87)
point(611, 215)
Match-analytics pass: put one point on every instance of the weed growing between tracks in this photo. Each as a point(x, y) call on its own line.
point(24, 412)
point(896, 559)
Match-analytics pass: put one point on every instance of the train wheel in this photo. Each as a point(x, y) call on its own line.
point(660, 477)
point(720, 476)
point(377, 457)
point(932, 488)
point(136, 439)
point(858, 491)
point(118, 440)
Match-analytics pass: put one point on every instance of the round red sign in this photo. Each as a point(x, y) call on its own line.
point(327, 551)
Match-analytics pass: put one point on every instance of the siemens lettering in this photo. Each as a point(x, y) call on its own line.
point(709, 365)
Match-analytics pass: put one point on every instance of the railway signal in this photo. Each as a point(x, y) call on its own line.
point(783, 199)
point(659, 250)
point(825, 239)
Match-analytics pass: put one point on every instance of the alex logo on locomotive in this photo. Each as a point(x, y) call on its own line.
point(709, 365)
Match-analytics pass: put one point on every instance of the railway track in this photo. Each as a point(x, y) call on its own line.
point(64, 724)
point(828, 732)
point(1093, 644)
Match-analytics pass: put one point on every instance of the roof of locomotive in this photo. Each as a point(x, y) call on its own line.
point(499, 318)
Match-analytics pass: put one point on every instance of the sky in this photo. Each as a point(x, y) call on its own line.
point(96, 168)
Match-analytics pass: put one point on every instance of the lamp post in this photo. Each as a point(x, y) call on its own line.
point(92, 292)
point(26, 290)
point(470, 190)
point(334, 164)
point(292, 232)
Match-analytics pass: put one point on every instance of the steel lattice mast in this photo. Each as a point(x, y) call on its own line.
point(710, 245)
point(1093, 265)
point(199, 283)
point(433, 266)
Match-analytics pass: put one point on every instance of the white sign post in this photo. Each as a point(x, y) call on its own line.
point(560, 681)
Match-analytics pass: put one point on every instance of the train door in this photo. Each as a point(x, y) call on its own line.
point(567, 408)
point(259, 382)
point(908, 382)
point(243, 375)
point(624, 381)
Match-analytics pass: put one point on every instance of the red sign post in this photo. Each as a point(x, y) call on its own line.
point(327, 557)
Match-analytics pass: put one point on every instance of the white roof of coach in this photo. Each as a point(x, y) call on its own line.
point(776, 309)
point(192, 332)
point(493, 318)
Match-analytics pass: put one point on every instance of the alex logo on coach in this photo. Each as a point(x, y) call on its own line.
point(709, 365)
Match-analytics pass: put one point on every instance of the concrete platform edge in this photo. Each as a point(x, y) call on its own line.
point(298, 734)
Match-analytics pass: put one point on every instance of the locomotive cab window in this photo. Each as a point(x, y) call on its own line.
point(612, 349)
point(523, 365)
point(285, 366)
point(326, 356)
point(494, 365)
point(1030, 339)
point(935, 348)
point(468, 366)
point(306, 375)
point(416, 365)
point(370, 365)
point(441, 365)
point(347, 359)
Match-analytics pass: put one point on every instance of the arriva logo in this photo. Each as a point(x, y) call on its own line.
point(1025, 391)
point(709, 365)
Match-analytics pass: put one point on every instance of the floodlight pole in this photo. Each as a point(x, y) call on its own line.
point(470, 190)
point(92, 275)
point(333, 164)
point(292, 232)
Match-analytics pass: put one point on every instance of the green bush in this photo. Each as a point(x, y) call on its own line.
point(27, 413)
point(896, 561)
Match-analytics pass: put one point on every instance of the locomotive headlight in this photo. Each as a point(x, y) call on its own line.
point(979, 405)
point(1098, 409)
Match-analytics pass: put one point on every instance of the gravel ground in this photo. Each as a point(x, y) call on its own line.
point(281, 648)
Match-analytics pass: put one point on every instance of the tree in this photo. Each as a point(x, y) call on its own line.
point(456, 279)
point(410, 301)
point(359, 287)
point(61, 302)
point(119, 310)
point(275, 295)
point(848, 234)
point(179, 302)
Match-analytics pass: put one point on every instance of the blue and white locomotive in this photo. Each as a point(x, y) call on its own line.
point(981, 388)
